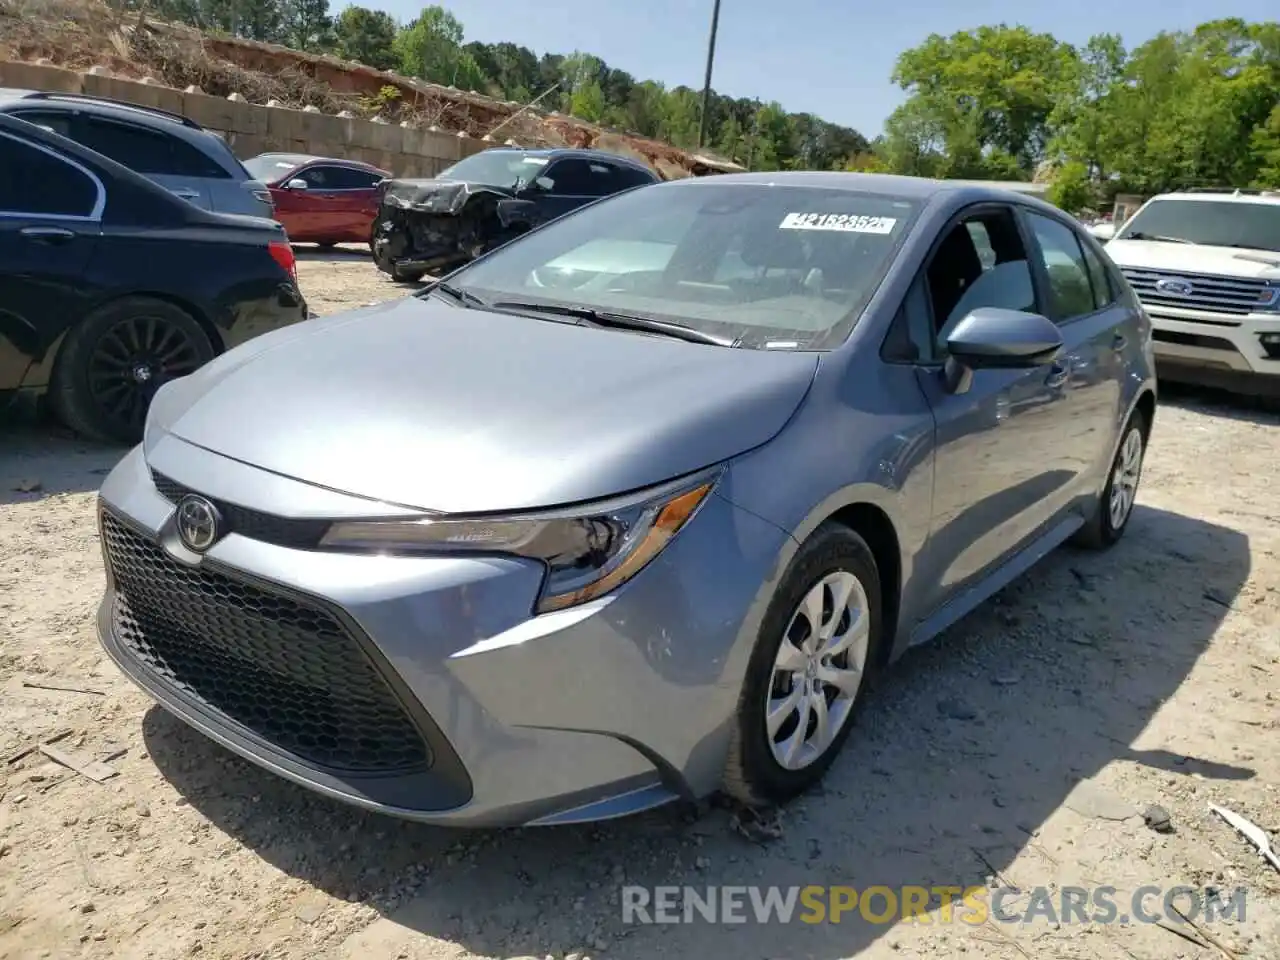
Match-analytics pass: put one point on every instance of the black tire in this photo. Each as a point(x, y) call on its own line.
point(753, 775)
point(401, 275)
point(1102, 530)
point(113, 362)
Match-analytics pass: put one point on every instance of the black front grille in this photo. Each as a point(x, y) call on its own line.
point(285, 670)
point(266, 527)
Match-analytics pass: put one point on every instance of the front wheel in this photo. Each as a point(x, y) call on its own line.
point(1115, 506)
point(817, 644)
point(114, 361)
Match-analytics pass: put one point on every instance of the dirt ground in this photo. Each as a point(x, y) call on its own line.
point(1020, 750)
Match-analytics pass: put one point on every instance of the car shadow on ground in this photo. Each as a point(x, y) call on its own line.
point(40, 459)
point(342, 253)
point(1219, 403)
point(964, 750)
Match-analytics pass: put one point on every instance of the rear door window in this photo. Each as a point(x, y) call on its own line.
point(1070, 289)
point(145, 150)
point(1103, 294)
point(624, 178)
point(53, 120)
point(38, 183)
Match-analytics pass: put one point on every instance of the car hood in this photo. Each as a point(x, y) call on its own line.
point(435, 196)
point(440, 408)
point(1195, 258)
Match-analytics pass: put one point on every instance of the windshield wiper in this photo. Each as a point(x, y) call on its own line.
point(464, 297)
point(620, 321)
point(1139, 235)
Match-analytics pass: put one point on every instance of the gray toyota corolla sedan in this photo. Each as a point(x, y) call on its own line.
point(631, 508)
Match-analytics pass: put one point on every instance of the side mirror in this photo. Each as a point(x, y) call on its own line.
point(296, 184)
point(542, 184)
point(991, 338)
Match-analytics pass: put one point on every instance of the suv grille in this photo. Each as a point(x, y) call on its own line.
point(285, 670)
point(1232, 295)
point(282, 531)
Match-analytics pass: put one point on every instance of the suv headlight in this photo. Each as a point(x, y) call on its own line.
point(588, 551)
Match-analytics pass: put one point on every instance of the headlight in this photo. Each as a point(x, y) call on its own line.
point(588, 551)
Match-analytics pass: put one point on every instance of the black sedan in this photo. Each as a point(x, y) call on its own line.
point(110, 285)
point(487, 199)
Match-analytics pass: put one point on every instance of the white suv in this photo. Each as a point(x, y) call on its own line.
point(1206, 266)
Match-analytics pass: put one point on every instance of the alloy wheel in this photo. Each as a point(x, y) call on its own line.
point(1125, 477)
point(818, 670)
point(132, 360)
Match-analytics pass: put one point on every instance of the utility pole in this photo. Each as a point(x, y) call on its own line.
point(706, 86)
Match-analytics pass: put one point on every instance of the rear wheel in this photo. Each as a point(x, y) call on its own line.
point(817, 644)
point(113, 363)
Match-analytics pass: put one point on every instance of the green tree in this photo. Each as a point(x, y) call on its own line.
point(306, 24)
point(1072, 187)
point(430, 46)
point(1265, 147)
point(588, 103)
point(367, 36)
point(679, 117)
point(989, 88)
point(1182, 110)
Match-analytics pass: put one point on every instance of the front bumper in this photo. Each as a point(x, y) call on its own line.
point(1229, 347)
point(423, 687)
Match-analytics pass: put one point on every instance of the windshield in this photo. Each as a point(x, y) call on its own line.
point(768, 266)
point(1219, 223)
point(271, 167)
point(497, 168)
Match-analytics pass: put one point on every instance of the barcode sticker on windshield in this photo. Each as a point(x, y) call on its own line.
point(840, 222)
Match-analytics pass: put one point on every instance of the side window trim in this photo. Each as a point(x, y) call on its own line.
point(99, 204)
point(1040, 273)
point(1092, 248)
point(1093, 286)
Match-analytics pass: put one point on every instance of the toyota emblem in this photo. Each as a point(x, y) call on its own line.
point(198, 523)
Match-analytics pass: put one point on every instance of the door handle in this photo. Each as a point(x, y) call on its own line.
point(1058, 375)
point(48, 234)
point(1119, 342)
point(187, 194)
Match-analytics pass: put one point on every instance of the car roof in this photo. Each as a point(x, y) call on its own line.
point(105, 165)
point(99, 106)
point(301, 158)
point(556, 153)
point(922, 189)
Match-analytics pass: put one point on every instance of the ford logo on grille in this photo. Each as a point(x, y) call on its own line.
point(197, 523)
point(1175, 285)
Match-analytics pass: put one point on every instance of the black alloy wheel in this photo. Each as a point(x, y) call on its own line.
point(113, 364)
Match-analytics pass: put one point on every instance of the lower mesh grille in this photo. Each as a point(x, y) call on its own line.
point(285, 670)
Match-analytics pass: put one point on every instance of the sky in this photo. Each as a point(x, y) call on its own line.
point(832, 58)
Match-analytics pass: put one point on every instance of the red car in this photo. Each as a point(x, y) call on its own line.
point(320, 199)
